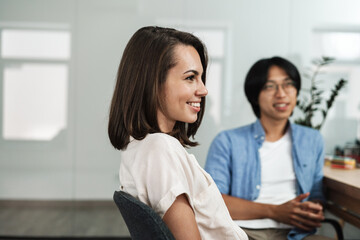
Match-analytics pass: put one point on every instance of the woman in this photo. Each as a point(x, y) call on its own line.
point(158, 104)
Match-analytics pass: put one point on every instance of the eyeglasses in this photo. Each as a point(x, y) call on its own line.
point(271, 87)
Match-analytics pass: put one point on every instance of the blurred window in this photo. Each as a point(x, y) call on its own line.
point(342, 45)
point(35, 72)
point(214, 39)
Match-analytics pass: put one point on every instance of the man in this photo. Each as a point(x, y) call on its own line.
point(270, 172)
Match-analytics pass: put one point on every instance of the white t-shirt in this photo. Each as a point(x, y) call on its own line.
point(157, 169)
point(277, 180)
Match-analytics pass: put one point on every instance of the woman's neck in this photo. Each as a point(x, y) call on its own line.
point(165, 124)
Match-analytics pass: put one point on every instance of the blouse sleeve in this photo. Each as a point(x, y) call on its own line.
point(163, 174)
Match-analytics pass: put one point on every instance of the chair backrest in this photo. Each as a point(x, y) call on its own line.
point(142, 221)
point(336, 225)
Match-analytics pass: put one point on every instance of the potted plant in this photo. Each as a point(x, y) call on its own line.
point(314, 101)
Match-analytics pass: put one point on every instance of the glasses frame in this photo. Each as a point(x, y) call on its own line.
point(289, 87)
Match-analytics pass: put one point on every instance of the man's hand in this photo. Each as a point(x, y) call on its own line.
point(304, 215)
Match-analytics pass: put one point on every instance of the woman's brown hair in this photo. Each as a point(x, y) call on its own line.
point(142, 73)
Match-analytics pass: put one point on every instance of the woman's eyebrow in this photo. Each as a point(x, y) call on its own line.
point(192, 71)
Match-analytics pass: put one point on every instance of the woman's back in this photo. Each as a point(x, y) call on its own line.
point(157, 169)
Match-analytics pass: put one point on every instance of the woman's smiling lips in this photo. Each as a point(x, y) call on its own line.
point(194, 105)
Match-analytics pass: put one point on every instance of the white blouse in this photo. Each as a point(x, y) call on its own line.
point(157, 169)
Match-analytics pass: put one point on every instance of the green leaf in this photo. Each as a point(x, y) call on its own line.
point(317, 127)
point(318, 93)
point(317, 101)
point(324, 113)
point(328, 59)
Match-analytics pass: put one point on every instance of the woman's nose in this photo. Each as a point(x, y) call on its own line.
point(201, 90)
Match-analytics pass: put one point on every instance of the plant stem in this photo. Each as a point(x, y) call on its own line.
point(312, 98)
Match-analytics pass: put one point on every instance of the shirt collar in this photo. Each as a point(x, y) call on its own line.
point(293, 129)
point(259, 132)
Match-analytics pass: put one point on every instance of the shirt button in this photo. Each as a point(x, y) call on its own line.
point(262, 138)
point(257, 187)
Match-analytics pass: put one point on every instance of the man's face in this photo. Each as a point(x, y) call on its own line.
point(277, 99)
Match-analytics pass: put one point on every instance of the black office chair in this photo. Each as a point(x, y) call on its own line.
point(144, 224)
point(141, 220)
point(336, 226)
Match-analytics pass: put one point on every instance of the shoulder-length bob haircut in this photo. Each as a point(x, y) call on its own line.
point(142, 73)
point(257, 77)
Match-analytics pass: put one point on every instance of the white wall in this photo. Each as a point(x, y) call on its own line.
point(80, 163)
point(33, 169)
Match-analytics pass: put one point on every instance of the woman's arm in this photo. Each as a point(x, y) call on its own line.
point(180, 219)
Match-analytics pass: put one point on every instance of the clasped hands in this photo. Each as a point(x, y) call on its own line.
point(304, 215)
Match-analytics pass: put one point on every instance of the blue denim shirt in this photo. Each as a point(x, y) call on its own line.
point(233, 161)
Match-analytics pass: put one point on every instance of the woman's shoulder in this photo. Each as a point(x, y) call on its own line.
point(157, 144)
point(156, 149)
point(160, 140)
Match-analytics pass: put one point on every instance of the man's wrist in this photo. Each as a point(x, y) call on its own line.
point(270, 211)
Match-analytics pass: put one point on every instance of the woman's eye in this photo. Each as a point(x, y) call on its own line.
point(190, 77)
